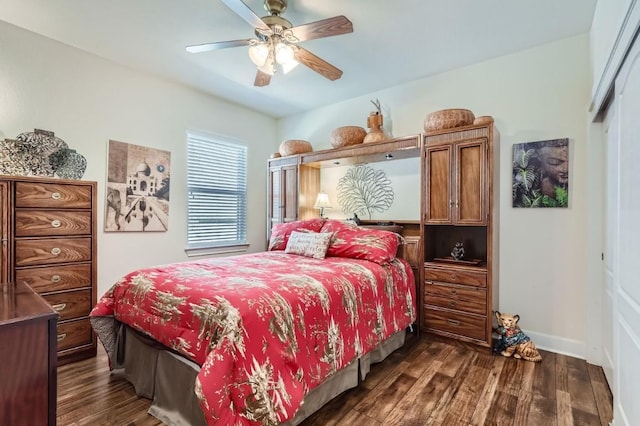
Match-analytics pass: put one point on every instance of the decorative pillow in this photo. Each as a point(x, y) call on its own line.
point(362, 243)
point(281, 231)
point(310, 244)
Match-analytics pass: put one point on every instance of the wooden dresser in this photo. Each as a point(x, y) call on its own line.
point(28, 378)
point(50, 230)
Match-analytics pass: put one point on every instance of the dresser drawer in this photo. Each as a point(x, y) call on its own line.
point(456, 276)
point(36, 223)
point(55, 278)
point(455, 322)
point(52, 250)
point(467, 299)
point(52, 195)
point(70, 305)
point(74, 333)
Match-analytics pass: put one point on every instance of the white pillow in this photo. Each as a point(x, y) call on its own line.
point(310, 244)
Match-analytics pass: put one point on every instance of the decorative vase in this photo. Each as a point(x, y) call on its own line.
point(73, 166)
point(35, 149)
point(374, 123)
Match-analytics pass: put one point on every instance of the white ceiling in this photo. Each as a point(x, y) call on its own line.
point(392, 42)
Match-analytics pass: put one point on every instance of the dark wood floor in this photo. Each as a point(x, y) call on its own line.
point(430, 382)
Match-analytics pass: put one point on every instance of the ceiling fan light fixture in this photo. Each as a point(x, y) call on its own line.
point(259, 53)
point(284, 53)
point(286, 67)
point(268, 67)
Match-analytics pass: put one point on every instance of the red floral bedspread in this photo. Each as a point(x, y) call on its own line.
point(267, 327)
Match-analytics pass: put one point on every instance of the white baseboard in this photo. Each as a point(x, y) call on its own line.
point(560, 345)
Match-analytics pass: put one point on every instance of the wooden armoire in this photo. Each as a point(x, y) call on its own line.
point(460, 196)
point(49, 242)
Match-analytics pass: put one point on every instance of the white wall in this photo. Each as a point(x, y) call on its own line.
point(538, 94)
point(87, 100)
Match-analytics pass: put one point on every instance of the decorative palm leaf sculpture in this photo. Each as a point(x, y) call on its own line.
point(364, 190)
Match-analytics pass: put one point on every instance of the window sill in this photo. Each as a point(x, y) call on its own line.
point(210, 251)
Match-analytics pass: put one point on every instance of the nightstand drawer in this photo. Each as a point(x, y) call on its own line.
point(56, 278)
point(73, 334)
point(467, 299)
point(468, 325)
point(52, 250)
point(457, 276)
point(53, 195)
point(70, 305)
point(38, 223)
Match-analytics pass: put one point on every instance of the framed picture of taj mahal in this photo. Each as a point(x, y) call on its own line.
point(137, 196)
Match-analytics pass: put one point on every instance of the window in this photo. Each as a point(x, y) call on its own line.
point(217, 192)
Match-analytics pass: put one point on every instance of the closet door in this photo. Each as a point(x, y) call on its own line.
point(626, 286)
point(611, 210)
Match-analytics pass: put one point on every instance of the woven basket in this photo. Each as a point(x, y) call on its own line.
point(347, 135)
point(447, 119)
point(294, 146)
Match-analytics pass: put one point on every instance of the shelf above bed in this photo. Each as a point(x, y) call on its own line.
point(393, 149)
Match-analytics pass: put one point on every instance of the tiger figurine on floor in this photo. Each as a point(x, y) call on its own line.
point(513, 341)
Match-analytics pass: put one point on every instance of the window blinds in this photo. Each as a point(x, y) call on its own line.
point(217, 192)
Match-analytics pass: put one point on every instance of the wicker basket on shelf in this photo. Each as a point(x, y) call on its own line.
point(294, 146)
point(447, 119)
point(347, 135)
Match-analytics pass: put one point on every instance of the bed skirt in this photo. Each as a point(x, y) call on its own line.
point(167, 378)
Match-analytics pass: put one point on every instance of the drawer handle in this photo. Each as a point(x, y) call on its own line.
point(453, 291)
point(454, 277)
point(59, 307)
point(56, 223)
point(55, 195)
point(55, 278)
point(453, 322)
point(61, 337)
point(452, 303)
point(55, 251)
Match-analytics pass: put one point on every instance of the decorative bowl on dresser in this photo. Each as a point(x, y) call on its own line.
point(51, 229)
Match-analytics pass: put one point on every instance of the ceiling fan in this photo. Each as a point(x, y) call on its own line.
point(276, 41)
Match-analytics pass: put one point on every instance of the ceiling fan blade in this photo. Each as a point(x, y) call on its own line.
point(206, 47)
point(324, 28)
point(245, 13)
point(317, 64)
point(262, 79)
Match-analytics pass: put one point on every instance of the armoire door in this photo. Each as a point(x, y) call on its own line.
point(438, 195)
point(289, 194)
point(470, 200)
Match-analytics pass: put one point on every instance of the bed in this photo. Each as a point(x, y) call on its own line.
point(262, 338)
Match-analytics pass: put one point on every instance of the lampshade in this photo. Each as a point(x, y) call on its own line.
point(284, 53)
point(322, 201)
point(289, 65)
point(259, 54)
point(269, 66)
